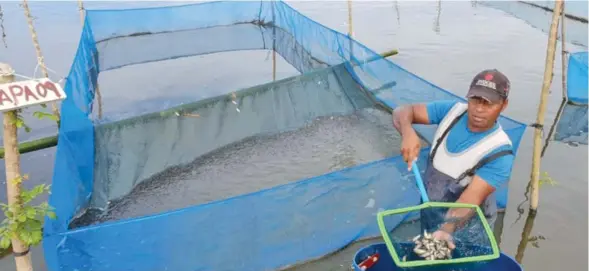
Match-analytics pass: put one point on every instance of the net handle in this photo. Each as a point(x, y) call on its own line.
point(419, 182)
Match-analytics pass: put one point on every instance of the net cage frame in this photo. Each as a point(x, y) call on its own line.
point(73, 178)
point(424, 262)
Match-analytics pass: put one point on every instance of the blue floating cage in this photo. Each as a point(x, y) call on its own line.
point(100, 160)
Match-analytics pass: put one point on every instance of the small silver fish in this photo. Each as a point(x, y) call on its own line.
point(440, 255)
point(416, 238)
point(419, 251)
point(427, 235)
point(405, 258)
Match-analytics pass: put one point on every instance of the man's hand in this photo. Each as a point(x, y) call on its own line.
point(410, 146)
point(444, 236)
point(403, 118)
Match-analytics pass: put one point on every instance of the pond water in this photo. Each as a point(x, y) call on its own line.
point(444, 42)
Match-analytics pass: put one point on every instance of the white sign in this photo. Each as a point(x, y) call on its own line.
point(27, 93)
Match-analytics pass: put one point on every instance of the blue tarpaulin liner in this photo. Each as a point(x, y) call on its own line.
point(577, 78)
point(572, 124)
point(98, 161)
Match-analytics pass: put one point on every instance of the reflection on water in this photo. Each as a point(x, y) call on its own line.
point(526, 239)
point(437, 20)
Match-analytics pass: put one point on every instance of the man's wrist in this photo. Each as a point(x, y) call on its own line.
point(448, 227)
point(407, 129)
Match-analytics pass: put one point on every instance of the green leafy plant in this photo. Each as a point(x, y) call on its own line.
point(23, 220)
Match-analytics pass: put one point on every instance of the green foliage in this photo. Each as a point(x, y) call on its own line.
point(546, 179)
point(42, 115)
point(20, 122)
point(24, 221)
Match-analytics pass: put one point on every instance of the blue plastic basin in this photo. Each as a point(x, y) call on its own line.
point(385, 262)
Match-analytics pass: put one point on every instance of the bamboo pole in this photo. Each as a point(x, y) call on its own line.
point(548, 69)
point(274, 41)
point(564, 81)
point(98, 94)
point(563, 52)
point(12, 161)
point(81, 10)
point(40, 60)
point(34, 145)
point(350, 32)
point(350, 29)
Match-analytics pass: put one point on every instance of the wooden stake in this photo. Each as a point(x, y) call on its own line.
point(40, 60)
point(12, 162)
point(98, 94)
point(274, 41)
point(548, 69)
point(563, 53)
point(564, 82)
point(350, 30)
point(81, 9)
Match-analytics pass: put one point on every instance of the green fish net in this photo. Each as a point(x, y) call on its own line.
point(472, 236)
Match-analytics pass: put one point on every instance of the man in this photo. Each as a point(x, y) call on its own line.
point(471, 155)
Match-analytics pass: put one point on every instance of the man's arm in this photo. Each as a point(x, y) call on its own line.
point(430, 113)
point(475, 194)
point(486, 180)
point(405, 116)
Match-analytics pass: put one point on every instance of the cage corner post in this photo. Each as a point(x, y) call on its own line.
point(565, 97)
point(350, 29)
point(40, 60)
point(82, 11)
point(273, 40)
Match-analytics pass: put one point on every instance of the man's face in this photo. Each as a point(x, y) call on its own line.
point(483, 113)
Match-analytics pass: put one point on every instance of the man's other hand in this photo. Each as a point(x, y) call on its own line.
point(410, 146)
point(444, 236)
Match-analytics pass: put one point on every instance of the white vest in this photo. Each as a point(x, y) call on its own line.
point(454, 164)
